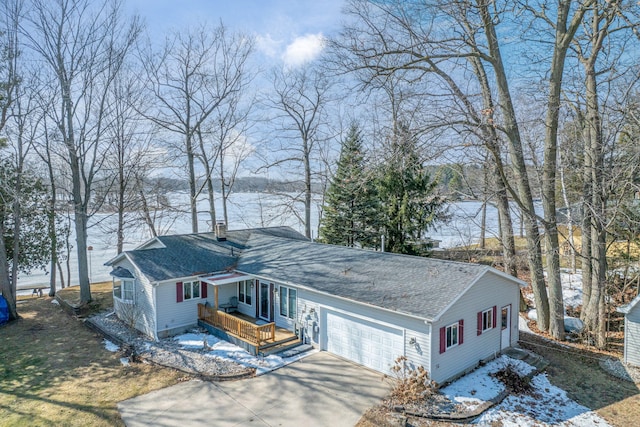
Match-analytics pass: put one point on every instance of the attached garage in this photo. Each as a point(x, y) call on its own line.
point(363, 341)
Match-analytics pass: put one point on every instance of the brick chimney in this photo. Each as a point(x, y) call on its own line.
point(221, 231)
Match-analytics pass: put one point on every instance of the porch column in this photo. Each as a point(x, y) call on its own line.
point(215, 297)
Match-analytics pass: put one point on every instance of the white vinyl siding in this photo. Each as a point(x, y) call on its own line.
point(145, 310)
point(491, 289)
point(173, 315)
point(632, 337)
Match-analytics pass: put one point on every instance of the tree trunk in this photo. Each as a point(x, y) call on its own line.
point(145, 207)
point(506, 227)
point(6, 284)
point(571, 240)
point(520, 169)
point(307, 189)
point(193, 194)
point(121, 206)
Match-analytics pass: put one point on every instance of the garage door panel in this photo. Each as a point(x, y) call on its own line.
point(362, 341)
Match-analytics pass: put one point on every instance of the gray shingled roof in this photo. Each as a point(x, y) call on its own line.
point(195, 254)
point(122, 273)
point(184, 255)
point(417, 286)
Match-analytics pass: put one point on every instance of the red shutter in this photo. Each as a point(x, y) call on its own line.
point(203, 292)
point(179, 293)
point(479, 323)
point(460, 331)
point(443, 340)
point(495, 316)
point(256, 299)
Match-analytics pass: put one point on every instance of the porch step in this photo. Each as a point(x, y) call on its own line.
point(538, 362)
point(280, 346)
point(296, 350)
point(283, 341)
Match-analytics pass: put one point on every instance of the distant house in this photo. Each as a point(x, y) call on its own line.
point(631, 313)
point(266, 288)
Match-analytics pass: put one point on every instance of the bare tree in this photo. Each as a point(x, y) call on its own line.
point(299, 102)
point(412, 39)
point(83, 44)
point(131, 155)
point(190, 78)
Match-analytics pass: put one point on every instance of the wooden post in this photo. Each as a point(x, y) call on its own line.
point(215, 297)
point(273, 332)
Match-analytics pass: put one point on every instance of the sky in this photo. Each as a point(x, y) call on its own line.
point(288, 32)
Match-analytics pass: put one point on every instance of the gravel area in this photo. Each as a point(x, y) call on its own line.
point(621, 370)
point(167, 352)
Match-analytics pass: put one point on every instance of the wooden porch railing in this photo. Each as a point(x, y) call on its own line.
point(247, 331)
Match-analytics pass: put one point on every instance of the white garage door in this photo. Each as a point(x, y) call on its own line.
point(370, 344)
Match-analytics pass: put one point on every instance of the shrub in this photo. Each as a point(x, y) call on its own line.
point(512, 380)
point(411, 384)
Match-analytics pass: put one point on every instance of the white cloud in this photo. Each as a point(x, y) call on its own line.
point(303, 49)
point(268, 45)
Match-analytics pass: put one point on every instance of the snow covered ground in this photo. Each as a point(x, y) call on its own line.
point(224, 350)
point(547, 405)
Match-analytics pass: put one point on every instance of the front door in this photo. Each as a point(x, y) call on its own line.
point(505, 340)
point(264, 302)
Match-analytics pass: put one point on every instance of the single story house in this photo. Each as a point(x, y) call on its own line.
point(267, 287)
point(631, 313)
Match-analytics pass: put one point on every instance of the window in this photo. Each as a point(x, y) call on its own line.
point(451, 336)
point(124, 291)
point(288, 302)
point(505, 318)
point(190, 290)
point(487, 319)
point(244, 291)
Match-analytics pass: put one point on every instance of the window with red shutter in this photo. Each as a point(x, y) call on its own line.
point(443, 340)
point(460, 331)
point(479, 323)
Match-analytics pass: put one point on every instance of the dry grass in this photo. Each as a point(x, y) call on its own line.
point(55, 371)
point(580, 375)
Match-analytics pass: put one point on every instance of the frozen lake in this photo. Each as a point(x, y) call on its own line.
point(248, 210)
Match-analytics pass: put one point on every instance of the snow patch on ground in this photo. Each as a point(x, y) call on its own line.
point(55, 301)
point(547, 405)
point(110, 346)
point(571, 288)
point(479, 386)
point(221, 349)
point(124, 361)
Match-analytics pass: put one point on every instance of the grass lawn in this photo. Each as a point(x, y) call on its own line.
point(55, 371)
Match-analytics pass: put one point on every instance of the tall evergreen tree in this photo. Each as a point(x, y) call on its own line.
point(410, 203)
point(351, 203)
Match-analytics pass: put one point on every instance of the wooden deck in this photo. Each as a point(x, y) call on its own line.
point(246, 328)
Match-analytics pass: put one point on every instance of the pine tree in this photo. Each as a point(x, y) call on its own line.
point(351, 204)
point(410, 203)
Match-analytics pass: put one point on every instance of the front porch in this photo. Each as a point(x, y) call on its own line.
point(250, 333)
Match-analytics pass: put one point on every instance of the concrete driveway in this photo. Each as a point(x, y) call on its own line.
point(319, 390)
